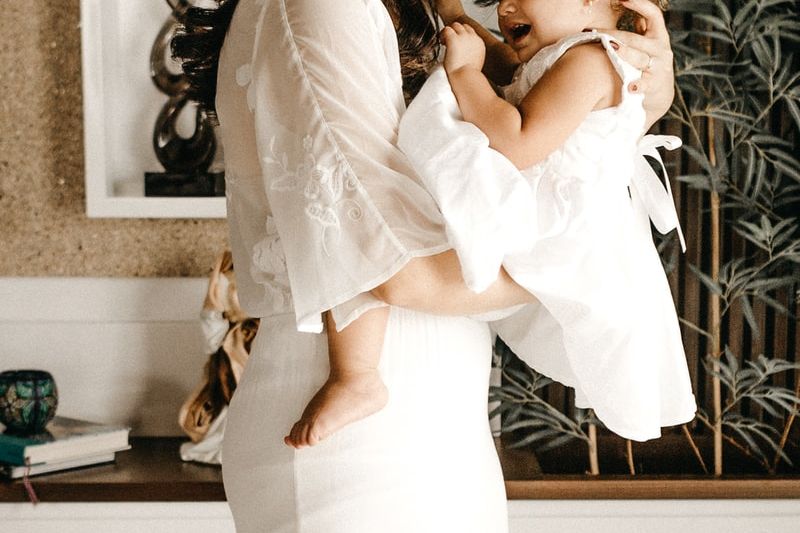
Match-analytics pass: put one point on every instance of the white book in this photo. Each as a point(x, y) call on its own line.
point(15, 471)
point(64, 439)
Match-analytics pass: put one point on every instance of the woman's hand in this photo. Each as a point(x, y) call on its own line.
point(651, 53)
point(465, 49)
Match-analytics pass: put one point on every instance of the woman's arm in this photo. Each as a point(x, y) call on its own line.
point(434, 284)
point(501, 59)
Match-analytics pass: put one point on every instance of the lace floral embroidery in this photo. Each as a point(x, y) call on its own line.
point(323, 188)
point(269, 267)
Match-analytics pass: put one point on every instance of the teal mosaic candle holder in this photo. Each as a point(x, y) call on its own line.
point(28, 400)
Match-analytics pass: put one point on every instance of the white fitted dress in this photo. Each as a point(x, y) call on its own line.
point(574, 230)
point(322, 207)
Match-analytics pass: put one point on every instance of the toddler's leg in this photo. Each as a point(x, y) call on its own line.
point(354, 389)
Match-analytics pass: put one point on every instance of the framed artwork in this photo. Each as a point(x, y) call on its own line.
point(121, 107)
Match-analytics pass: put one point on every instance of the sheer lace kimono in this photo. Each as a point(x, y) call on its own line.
point(336, 209)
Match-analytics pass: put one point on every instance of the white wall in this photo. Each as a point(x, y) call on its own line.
point(485, 15)
point(122, 350)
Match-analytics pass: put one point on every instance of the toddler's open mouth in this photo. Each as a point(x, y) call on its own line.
point(519, 32)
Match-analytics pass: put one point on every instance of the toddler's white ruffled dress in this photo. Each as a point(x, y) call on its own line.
point(575, 231)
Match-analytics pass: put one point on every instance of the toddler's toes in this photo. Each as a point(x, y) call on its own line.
point(292, 439)
point(307, 435)
point(302, 434)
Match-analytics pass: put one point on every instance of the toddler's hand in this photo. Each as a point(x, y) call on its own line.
point(464, 48)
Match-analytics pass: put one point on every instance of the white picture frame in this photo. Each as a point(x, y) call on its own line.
point(120, 106)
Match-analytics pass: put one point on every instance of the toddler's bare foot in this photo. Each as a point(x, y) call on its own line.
point(343, 399)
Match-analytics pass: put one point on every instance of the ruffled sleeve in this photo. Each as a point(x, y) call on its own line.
point(487, 204)
point(326, 95)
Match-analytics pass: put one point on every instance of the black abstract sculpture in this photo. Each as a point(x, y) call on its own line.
point(186, 160)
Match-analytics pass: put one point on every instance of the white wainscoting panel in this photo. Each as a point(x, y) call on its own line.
point(545, 516)
point(654, 516)
point(122, 350)
point(158, 517)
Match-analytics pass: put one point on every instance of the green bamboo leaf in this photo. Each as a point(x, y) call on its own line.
point(794, 109)
point(770, 284)
point(768, 138)
point(534, 437)
point(696, 181)
point(751, 443)
point(701, 159)
point(691, 325)
point(529, 423)
point(749, 172)
point(722, 8)
point(774, 304)
point(556, 442)
point(743, 11)
point(786, 169)
point(709, 283)
point(754, 234)
point(773, 365)
point(747, 311)
point(765, 404)
point(783, 156)
point(500, 409)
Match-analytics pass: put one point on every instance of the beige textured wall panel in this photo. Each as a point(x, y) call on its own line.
point(44, 230)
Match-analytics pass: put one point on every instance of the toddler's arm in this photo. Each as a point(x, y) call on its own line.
point(501, 59)
point(582, 80)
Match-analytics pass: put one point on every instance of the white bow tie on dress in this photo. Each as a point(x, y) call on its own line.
point(656, 201)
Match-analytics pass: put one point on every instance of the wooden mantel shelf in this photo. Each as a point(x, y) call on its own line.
point(152, 471)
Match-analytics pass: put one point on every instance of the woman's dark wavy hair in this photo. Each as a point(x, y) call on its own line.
point(199, 40)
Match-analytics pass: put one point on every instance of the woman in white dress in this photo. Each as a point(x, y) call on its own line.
point(327, 219)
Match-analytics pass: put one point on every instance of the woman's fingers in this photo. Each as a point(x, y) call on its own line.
point(654, 24)
point(642, 43)
point(639, 86)
point(637, 58)
point(651, 53)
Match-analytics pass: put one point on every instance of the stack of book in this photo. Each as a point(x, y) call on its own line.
point(66, 443)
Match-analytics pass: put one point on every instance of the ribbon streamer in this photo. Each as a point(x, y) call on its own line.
point(657, 201)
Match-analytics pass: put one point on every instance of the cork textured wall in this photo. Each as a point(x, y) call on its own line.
point(44, 230)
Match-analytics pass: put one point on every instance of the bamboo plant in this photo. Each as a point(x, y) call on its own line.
point(737, 96)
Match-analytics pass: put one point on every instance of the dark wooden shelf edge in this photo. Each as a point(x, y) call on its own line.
point(656, 489)
point(115, 492)
point(153, 472)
